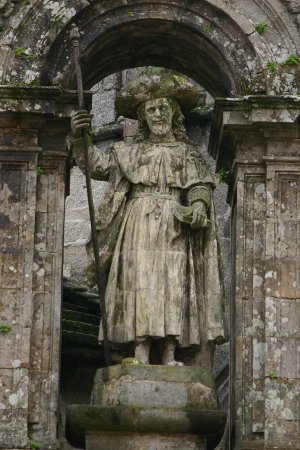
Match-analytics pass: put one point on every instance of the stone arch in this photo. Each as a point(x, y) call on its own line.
point(213, 42)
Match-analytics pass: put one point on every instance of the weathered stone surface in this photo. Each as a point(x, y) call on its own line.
point(154, 386)
point(32, 185)
point(265, 308)
point(138, 441)
point(152, 289)
point(150, 406)
point(190, 33)
point(124, 419)
point(117, 36)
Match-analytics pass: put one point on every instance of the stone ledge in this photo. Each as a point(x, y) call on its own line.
point(144, 441)
point(85, 418)
point(39, 99)
point(154, 386)
point(186, 374)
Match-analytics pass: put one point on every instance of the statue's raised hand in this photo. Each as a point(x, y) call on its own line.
point(80, 120)
point(199, 215)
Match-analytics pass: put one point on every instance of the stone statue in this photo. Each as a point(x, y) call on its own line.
point(156, 225)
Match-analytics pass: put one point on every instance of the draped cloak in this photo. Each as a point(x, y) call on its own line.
point(164, 277)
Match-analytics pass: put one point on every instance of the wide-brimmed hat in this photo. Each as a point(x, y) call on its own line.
point(156, 86)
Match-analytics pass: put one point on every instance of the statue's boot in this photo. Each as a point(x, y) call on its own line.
point(168, 350)
point(142, 350)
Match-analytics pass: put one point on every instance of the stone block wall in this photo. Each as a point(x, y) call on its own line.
point(260, 141)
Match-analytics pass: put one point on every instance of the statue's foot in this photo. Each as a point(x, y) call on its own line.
point(132, 361)
point(142, 350)
point(174, 363)
point(168, 358)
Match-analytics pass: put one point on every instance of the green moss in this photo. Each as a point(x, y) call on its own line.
point(261, 27)
point(38, 170)
point(34, 445)
point(80, 327)
point(5, 328)
point(130, 14)
point(271, 66)
point(208, 107)
point(224, 176)
point(272, 375)
point(207, 29)
point(19, 51)
point(35, 83)
point(292, 60)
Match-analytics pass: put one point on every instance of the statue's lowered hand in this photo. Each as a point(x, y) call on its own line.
point(80, 120)
point(194, 215)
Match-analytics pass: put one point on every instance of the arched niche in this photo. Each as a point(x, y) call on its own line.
point(211, 41)
point(166, 35)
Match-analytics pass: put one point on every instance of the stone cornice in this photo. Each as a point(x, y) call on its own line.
point(250, 114)
point(42, 100)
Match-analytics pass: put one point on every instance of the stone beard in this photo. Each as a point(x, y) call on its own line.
point(157, 238)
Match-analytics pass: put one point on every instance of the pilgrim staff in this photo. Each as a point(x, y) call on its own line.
point(74, 35)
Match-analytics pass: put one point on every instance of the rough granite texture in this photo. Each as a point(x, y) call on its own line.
point(264, 194)
point(149, 406)
point(217, 44)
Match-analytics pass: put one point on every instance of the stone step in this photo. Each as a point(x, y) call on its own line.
point(81, 299)
point(79, 316)
point(80, 327)
point(80, 339)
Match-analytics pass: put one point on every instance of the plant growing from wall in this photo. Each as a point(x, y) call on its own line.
point(38, 170)
point(261, 27)
point(34, 445)
point(19, 51)
point(224, 175)
point(272, 375)
point(35, 83)
point(271, 66)
point(5, 328)
point(207, 29)
point(292, 60)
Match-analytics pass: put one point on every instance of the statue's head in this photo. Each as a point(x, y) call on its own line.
point(158, 114)
point(157, 103)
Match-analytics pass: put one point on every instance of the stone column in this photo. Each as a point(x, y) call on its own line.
point(257, 138)
point(18, 158)
point(33, 126)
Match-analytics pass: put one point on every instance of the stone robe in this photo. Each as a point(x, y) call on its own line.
point(163, 276)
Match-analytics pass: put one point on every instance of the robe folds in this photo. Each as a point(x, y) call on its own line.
point(163, 276)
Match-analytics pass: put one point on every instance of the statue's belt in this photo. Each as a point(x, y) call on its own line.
point(156, 193)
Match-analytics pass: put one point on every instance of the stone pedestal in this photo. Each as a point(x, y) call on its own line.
point(138, 407)
point(257, 138)
point(144, 441)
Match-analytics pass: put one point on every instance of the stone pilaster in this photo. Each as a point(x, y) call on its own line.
point(19, 152)
point(33, 127)
point(257, 138)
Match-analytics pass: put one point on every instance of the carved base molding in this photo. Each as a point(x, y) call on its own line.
point(148, 407)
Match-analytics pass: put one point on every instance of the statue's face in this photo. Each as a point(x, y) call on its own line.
point(159, 114)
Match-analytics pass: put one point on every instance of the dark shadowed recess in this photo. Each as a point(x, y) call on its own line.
point(145, 42)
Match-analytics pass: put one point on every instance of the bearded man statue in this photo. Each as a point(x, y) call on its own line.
point(156, 226)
